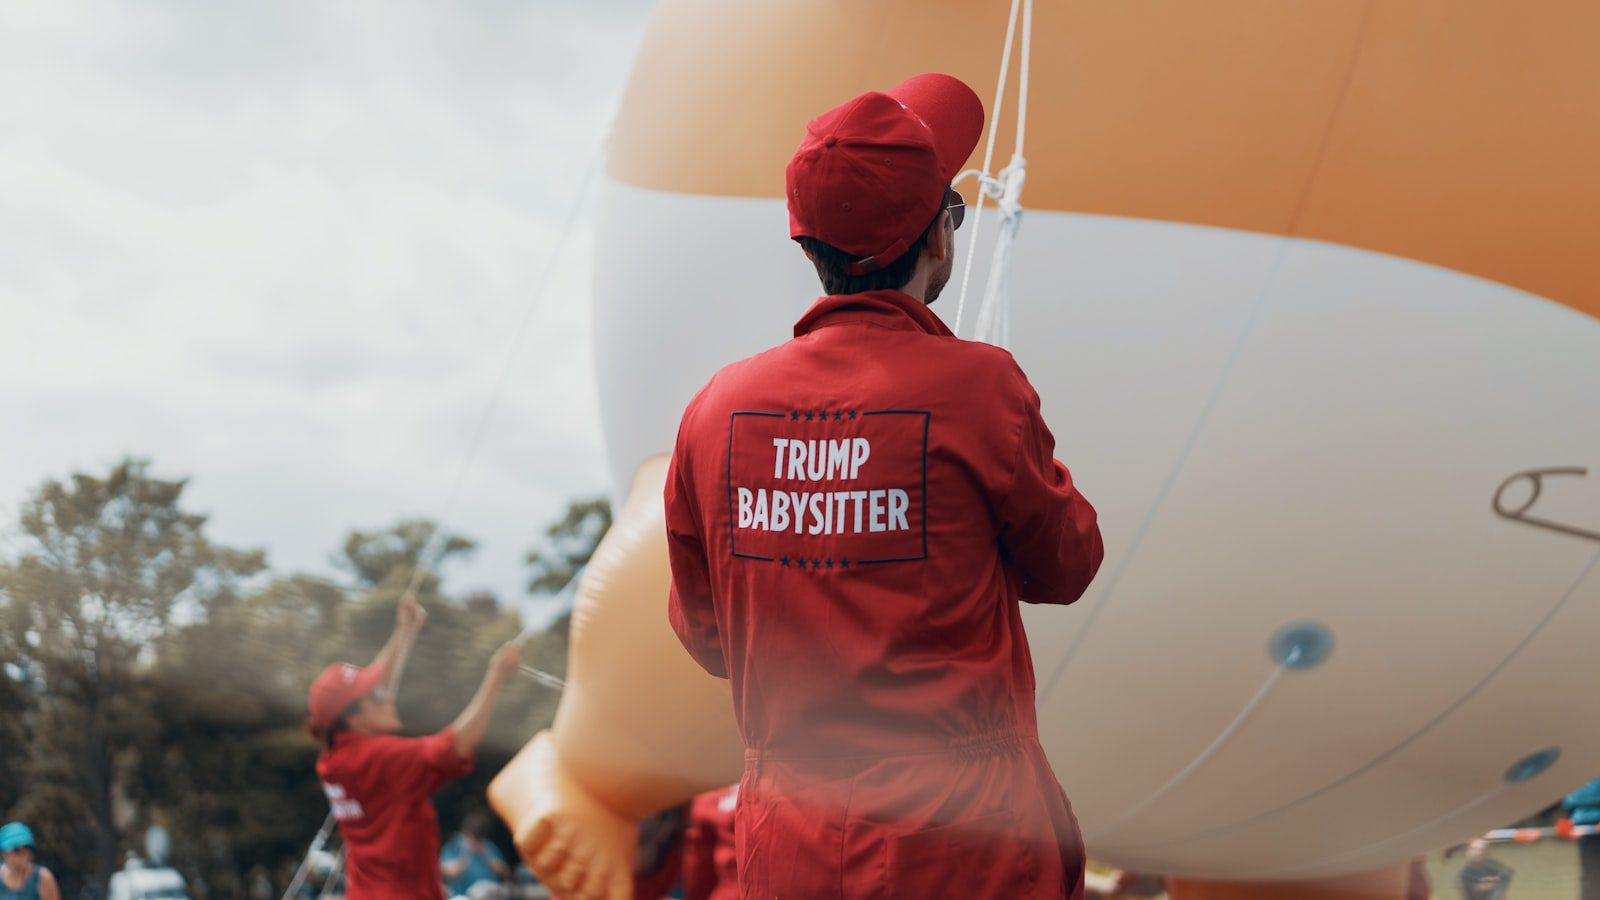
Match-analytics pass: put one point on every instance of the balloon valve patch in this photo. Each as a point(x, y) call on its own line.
point(1532, 765)
point(1301, 645)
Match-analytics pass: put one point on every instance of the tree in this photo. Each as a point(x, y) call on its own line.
point(230, 774)
point(16, 709)
point(236, 769)
point(154, 679)
point(568, 545)
point(106, 565)
point(382, 557)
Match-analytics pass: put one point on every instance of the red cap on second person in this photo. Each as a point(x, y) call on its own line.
point(869, 176)
point(340, 685)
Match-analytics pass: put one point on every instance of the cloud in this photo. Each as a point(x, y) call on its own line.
point(283, 248)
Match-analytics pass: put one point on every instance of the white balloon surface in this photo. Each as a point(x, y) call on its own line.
point(1315, 647)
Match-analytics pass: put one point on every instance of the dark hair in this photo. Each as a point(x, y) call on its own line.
point(326, 735)
point(833, 264)
point(475, 825)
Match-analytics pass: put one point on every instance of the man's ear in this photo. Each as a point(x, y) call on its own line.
point(939, 236)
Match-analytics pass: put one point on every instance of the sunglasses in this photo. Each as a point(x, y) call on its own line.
point(956, 206)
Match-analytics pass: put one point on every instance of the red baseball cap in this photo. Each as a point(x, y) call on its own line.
point(870, 175)
point(340, 685)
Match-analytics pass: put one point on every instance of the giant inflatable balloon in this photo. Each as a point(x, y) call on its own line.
point(1309, 290)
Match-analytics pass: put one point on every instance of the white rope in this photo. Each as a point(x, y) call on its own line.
point(543, 677)
point(317, 844)
point(1367, 849)
point(419, 571)
point(1022, 77)
point(563, 598)
point(994, 311)
point(508, 365)
point(988, 158)
point(335, 872)
point(1206, 754)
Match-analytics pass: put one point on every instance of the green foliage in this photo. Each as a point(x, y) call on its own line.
point(388, 557)
point(15, 714)
point(105, 566)
point(16, 703)
point(154, 677)
point(568, 545)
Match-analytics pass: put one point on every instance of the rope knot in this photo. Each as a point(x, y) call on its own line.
point(1011, 180)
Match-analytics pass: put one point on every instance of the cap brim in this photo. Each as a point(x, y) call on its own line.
point(951, 110)
point(366, 681)
point(370, 679)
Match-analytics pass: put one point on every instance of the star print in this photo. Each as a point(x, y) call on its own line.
point(810, 415)
point(838, 414)
point(830, 563)
point(794, 416)
point(801, 562)
point(844, 563)
point(852, 414)
point(816, 564)
point(784, 560)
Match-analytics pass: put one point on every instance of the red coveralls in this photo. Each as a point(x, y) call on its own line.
point(710, 863)
point(379, 786)
point(852, 518)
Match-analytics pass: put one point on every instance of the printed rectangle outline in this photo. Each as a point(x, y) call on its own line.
point(927, 417)
point(732, 518)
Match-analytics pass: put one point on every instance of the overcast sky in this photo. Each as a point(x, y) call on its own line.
point(281, 249)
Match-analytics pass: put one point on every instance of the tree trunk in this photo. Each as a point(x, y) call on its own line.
point(97, 762)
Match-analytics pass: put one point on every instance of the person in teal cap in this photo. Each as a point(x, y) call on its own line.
point(20, 877)
point(1583, 808)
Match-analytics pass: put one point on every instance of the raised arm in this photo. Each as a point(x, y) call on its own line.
point(474, 720)
point(1049, 531)
point(409, 618)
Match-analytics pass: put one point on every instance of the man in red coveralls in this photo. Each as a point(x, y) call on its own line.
point(852, 518)
point(710, 861)
point(380, 784)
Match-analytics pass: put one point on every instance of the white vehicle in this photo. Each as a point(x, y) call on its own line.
point(136, 882)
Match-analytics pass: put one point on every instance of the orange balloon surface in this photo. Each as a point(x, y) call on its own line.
point(1300, 285)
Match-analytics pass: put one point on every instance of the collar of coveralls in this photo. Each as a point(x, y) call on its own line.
point(885, 309)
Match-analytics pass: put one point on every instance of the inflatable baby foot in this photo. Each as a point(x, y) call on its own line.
point(640, 727)
point(576, 845)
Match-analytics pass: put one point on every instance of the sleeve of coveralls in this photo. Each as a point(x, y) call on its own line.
point(420, 765)
point(1049, 531)
point(689, 607)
